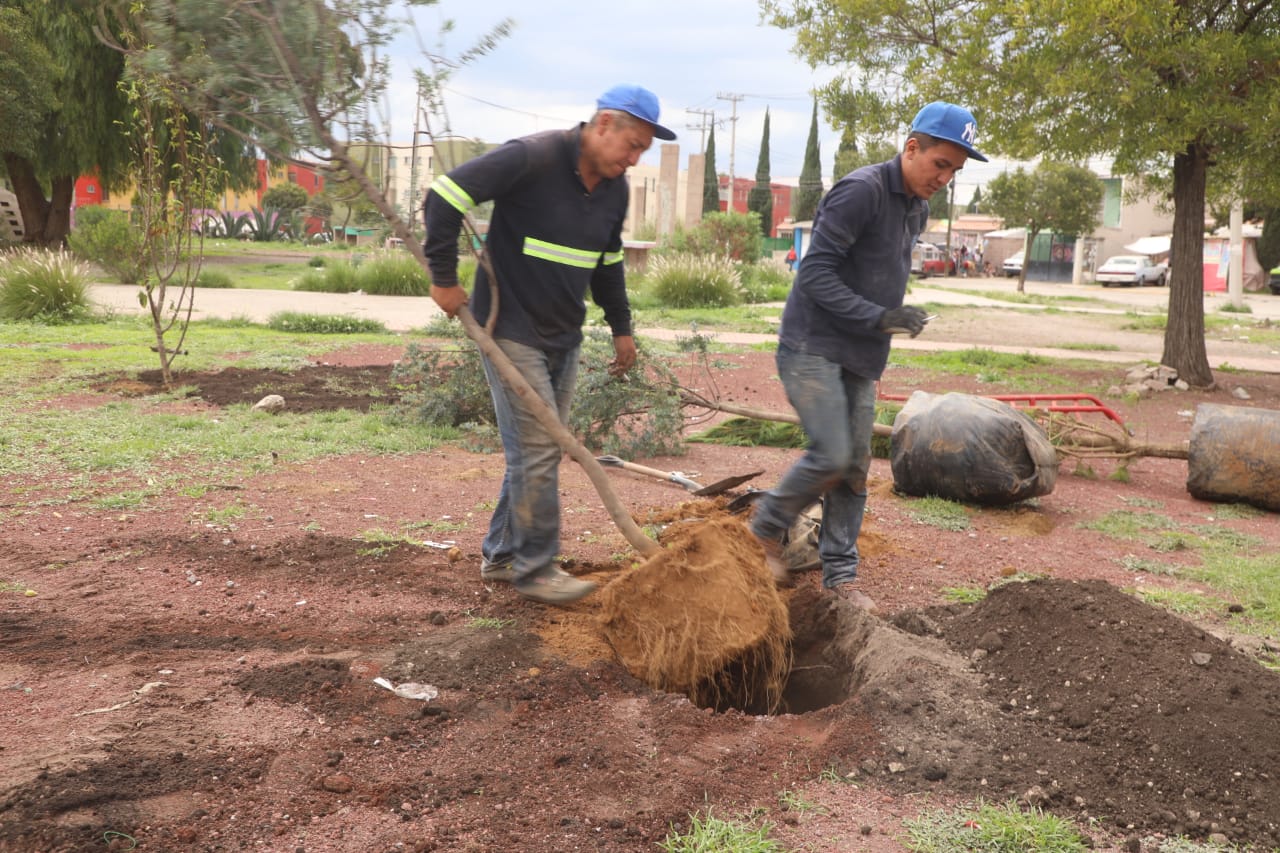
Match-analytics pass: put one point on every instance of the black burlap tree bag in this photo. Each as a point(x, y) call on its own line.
point(971, 449)
point(1234, 456)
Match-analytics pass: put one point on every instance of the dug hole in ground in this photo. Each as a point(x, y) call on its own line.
point(198, 686)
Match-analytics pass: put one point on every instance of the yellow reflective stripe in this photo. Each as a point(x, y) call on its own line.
point(452, 193)
point(566, 255)
point(612, 258)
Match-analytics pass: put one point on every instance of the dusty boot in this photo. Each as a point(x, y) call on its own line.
point(855, 596)
point(774, 560)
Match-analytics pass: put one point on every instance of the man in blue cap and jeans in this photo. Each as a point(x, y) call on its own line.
point(844, 307)
point(560, 198)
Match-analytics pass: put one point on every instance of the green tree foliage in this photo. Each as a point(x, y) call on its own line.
point(1056, 197)
point(810, 190)
point(852, 155)
point(760, 198)
point(1269, 243)
point(68, 107)
point(1181, 90)
point(26, 66)
point(710, 180)
point(286, 198)
point(975, 203)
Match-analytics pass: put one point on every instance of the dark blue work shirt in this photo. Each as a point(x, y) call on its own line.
point(550, 240)
point(855, 268)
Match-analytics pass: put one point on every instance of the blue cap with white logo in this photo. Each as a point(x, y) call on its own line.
point(637, 101)
point(950, 123)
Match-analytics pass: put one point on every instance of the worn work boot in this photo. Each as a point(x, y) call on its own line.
point(774, 560)
point(855, 596)
point(497, 572)
point(553, 586)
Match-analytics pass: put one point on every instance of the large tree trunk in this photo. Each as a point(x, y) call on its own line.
point(1184, 348)
point(45, 222)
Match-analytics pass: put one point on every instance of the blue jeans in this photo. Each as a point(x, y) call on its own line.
point(525, 528)
point(838, 413)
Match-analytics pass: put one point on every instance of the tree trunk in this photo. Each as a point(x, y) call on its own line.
point(1184, 348)
point(44, 222)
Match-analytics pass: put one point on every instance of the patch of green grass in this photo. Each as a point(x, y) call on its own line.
point(1089, 347)
point(790, 801)
point(1254, 581)
point(992, 829)
point(1124, 524)
point(710, 834)
point(323, 324)
point(1229, 512)
point(442, 526)
point(1146, 503)
point(489, 623)
point(1189, 605)
point(131, 499)
point(381, 542)
point(1232, 308)
point(940, 513)
point(963, 594)
point(1186, 845)
point(225, 517)
point(1132, 563)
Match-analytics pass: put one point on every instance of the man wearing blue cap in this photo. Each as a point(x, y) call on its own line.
point(560, 198)
point(844, 307)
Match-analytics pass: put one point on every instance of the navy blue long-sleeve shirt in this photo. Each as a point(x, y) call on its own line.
point(550, 241)
point(855, 268)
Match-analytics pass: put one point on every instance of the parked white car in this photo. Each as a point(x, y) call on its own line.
point(1131, 270)
point(1012, 265)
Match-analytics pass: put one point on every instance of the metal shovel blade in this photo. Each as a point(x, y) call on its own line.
point(726, 484)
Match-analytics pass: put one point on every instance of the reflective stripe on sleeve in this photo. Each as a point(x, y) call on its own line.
point(455, 195)
point(566, 255)
point(612, 258)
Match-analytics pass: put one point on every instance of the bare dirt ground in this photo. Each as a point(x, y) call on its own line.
point(174, 684)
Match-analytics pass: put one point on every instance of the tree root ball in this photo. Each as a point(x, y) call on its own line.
point(703, 617)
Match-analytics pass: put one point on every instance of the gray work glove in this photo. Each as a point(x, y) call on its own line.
point(908, 319)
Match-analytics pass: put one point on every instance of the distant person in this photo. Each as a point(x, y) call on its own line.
point(844, 307)
point(791, 259)
point(560, 198)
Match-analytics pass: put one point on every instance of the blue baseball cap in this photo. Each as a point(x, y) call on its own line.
point(950, 123)
point(637, 101)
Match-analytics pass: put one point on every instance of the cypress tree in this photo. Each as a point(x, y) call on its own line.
point(810, 175)
point(760, 199)
point(710, 180)
point(975, 203)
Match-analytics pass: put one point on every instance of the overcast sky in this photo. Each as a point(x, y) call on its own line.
point(562, 55)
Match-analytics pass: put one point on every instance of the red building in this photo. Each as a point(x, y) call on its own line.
point(742, 188)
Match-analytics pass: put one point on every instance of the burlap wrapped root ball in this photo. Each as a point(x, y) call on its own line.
point(703, 617)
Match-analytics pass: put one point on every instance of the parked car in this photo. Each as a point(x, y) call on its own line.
point(1133, 270)
point(1275, 281)
point(1012, 265)
point(931, 259)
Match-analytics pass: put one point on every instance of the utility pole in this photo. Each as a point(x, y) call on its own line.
point(708, 119)
point(413, 164)
point(733, 139)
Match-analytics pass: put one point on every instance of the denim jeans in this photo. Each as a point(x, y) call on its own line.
point(525, 528)
point(838, 413)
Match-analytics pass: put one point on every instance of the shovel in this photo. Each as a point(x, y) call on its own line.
point(680, 479)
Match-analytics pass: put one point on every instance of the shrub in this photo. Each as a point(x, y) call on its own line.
point(338, 278)
point(735, 235)
point(107, 238)
point(694, 281)
point(315, 261)
point(48, 287)
point(213, 279)
point(392, 274)
point(323, 324)
point(764, 283)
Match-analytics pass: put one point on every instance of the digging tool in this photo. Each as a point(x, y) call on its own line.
point(676, 477)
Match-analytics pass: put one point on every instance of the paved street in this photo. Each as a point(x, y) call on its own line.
point(404, 313)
